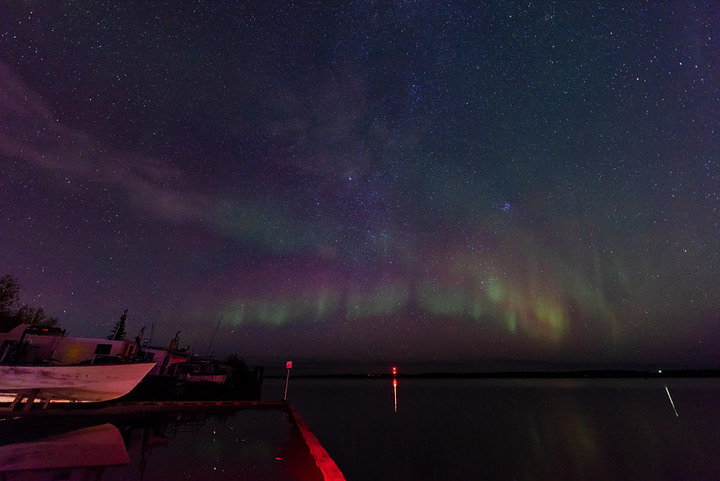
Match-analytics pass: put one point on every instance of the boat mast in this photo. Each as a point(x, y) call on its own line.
point(213, 336)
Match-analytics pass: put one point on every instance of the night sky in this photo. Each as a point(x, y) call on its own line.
point(362, 180)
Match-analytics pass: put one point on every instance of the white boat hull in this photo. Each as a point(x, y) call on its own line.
point(90, 383)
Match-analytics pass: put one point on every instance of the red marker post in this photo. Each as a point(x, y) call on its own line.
point(394, 372)
point(288, 366)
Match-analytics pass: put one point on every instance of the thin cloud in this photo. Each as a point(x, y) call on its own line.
point(31, 134)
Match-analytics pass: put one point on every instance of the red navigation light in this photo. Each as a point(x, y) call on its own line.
point(394, 371)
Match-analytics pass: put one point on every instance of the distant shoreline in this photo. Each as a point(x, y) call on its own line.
point(570, 374)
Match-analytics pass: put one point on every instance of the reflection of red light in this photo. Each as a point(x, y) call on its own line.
point(395, 391)
point(394, 370)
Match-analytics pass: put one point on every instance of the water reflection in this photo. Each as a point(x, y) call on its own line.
point(75, 454)
point(395, 392)
point(466, 429)
point(252, 444)
point(672, 402)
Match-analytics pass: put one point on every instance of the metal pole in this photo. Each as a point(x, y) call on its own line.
point(288, 366)
point(287, 379)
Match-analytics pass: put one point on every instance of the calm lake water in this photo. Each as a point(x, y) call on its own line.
point(469, 429)
point(445, 430)
point(250, 444)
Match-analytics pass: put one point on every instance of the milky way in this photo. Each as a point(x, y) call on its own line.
point(369, 181)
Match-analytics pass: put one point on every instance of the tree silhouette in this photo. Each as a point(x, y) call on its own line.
point(35, 316)
point(10, 310)
point(118, 332)
point(9, 294)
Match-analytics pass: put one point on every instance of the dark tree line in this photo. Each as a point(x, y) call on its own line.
point(12, 309)
point(118, 332)
point(14, 312)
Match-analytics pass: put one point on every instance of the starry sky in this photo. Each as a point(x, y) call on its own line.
point(361, 180)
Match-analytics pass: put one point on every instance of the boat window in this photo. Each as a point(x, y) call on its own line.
point(103, 349)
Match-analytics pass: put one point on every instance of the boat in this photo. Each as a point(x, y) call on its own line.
point(83, 382)
point(203, 370)
point(181, 375)
point(43, 363)
point(25, 344)
point(50, 356)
